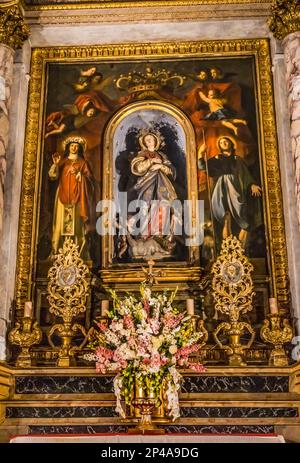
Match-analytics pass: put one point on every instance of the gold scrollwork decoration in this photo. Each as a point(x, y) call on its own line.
point(40, 5)
point(277, 331)
point(232, 283)
point(233, 292)
point(285, 18)
point(13, 29)
point(235, 349)
point(67, 295)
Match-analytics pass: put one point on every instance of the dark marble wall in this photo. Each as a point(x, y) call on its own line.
point(238, 412)
point(191, 384)
point(60, 412)
point(64, 384)
point(186, 412)
point(235, 384)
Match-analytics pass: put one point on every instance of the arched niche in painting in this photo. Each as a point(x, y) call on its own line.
point(149, 160)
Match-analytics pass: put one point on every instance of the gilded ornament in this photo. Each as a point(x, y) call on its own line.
point(13, 29)
point(40, 5)
point(233, 292)
point(277, 331)
point(148, 82)
point(285, 18)
point(68, 289)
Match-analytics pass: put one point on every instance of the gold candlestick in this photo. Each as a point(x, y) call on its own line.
point(277, 331)
point(198, 326)
point(146, 405)
point(25, 335)
point(233, 292)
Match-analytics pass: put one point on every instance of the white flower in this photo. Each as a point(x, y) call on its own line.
point(118, 385)
point(154, 369)
point(173, 349)
point(156, 342)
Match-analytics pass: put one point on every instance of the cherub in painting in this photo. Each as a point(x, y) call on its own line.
point(219, 111)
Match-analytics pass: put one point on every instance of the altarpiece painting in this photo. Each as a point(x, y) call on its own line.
point(176, 122)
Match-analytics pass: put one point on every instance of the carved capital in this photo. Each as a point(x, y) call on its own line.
point(285, 18)
point(13, 29)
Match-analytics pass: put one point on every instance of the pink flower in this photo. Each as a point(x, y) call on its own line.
point(128, 322)
point(146, 306)
point(104, 353)
point(131, 342)
point(171, 322)
point(198, 367)
point(155, 325)
point(187, 350)
point(102, 326)
point(155, 361)
point(100, 368)
point(182, 362)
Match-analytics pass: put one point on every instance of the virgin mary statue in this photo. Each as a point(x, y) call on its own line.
point(155, 190)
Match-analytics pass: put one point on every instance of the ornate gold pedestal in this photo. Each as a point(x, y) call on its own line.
point(67, 295)
point(146, 405)
point(233, 292)
point(66, 352)
point(235, 348)
point(277, 331)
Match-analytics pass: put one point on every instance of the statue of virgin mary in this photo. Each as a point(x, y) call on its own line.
point(155, 190)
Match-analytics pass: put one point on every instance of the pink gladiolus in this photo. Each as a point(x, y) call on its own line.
point(198, 367)
point(104, 352)
point(187, 350)
point(100, 368)
point(146, 306)
point(182, 362)
point(172, 322)
point(128, 322)
point(155, 325)
point(102, 326)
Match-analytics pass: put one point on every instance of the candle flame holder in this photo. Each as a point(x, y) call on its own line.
point(277, 331)
point(25, 335)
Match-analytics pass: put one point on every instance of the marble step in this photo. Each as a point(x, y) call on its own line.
point(170, 429)
point(25, 412)
point(80, 384)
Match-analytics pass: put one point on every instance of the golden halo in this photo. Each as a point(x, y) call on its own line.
point(75, 139)
point(142, 137)
point(228, 138)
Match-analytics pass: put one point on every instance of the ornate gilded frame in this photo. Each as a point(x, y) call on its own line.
point(110, 274)
point(256, 48)
point(50, 5)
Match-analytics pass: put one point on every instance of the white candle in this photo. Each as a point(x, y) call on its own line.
point(190, 306)
point(28, 309)
point(104, 307)
point(273, 305)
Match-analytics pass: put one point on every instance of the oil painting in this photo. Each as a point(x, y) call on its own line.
point(216, 96)
point(151, 154)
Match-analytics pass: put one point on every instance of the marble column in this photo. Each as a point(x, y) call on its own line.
point(13, 33)
point(285, 25)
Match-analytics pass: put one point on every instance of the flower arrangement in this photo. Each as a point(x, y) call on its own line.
point(146, 339)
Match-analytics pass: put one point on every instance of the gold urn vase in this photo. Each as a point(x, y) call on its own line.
point(147, 404)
